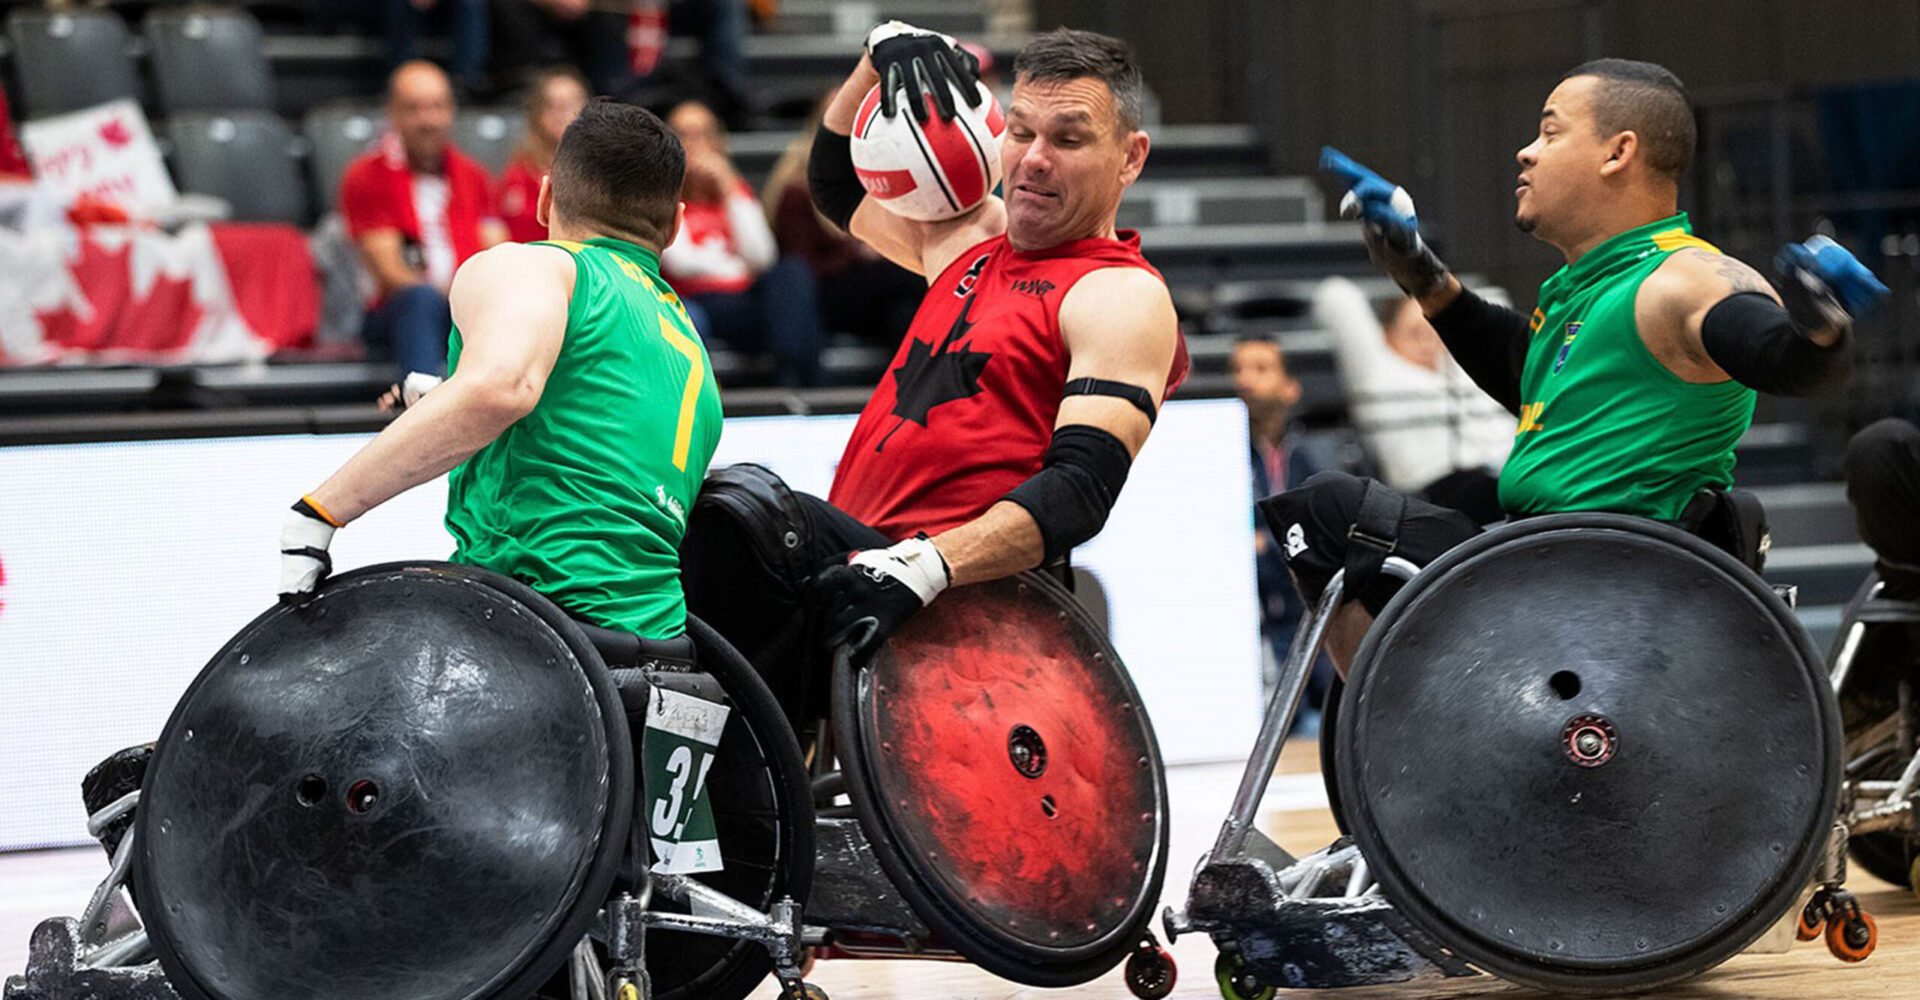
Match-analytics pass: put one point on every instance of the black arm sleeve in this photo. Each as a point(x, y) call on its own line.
point(835, 187)
point(1490, 343)
point(1757, 343)
point(1075, 489)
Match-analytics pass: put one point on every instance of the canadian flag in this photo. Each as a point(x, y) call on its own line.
point(119, 294)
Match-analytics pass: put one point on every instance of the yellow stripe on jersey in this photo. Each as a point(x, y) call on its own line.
point(1680, 239)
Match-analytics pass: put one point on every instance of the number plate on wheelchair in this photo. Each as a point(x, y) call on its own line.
point(678, 749)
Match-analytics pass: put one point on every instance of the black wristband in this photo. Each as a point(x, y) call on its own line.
point(1754, 340)
point(1489, 342)
point(835, 187)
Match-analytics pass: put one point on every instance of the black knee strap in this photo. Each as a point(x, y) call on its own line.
point(1374, 536)
point(760, 502)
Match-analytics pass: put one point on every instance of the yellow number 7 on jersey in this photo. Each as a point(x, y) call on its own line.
point(683, 431)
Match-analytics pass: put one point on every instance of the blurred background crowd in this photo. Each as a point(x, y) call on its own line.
point(250, 212)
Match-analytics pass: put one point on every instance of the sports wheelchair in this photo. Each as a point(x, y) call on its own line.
point(1581, 752)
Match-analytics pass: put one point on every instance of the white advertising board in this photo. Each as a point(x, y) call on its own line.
point(124, 566)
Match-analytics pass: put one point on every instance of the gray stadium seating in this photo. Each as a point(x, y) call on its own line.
point(247, 157)
point(208, 59)
point(489, 135)
point(337, 134)
point(70, 60)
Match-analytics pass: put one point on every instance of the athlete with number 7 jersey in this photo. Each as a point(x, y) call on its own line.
point(581, 413)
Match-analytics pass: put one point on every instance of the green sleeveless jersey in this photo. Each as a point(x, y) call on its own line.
point(1604, 425)
point(585, 499)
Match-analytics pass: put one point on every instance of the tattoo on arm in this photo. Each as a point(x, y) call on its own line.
point(1740, 276)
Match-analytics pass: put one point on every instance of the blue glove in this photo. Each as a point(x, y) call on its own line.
point(1388, 224)
point(1826, 287)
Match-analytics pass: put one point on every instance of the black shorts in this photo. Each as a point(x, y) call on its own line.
point(1312, 523)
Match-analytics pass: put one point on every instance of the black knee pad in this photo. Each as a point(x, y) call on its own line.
point(761, 514)
point(1309, 522)
point(1312, 522)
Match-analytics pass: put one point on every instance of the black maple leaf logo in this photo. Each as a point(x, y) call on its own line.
point(931, 376)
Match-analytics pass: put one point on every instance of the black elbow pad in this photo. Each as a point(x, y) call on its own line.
point(1754, 340)
point(1074, 491)
point(1489, 342)
point(835, 187)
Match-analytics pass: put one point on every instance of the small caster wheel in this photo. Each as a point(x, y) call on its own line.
point(626, 990)
point(1851, 935)
point(1236, 982)
point(1151, 972)
point(1812, 916)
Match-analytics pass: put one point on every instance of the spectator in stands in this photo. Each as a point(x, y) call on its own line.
point(466, 25)
point(590, 35)
point(726, 265)
point(1883, 485)
point(416, 207)
point(1282, 457)
point(1431, 430)
point(861, 292)
point(615, 41)
point(553, 100)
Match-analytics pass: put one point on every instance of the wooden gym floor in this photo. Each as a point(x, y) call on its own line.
point(36, 885)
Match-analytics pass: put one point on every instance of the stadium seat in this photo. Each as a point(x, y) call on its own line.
point(338, 134)
point(208, 59)
point(70, 60)
point(247, 158)
point(489, 135)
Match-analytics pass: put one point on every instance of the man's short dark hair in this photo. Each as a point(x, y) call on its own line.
point(618, 171)
point(1065, 54)
point(1649, 101)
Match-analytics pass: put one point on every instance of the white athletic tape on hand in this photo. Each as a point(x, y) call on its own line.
point(299, 574)
point(916, 563)
point(417, 384)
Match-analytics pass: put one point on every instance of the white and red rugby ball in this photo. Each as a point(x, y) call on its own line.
point(939, 171)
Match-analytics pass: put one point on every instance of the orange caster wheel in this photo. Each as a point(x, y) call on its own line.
point(1851, 935)
point(1810, 919)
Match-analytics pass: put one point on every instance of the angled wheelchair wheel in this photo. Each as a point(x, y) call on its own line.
point(1005, 772)
point(1329, 766)
point(1882, 659)
point(411, 784)
point(1589, 753)
point(763, 819)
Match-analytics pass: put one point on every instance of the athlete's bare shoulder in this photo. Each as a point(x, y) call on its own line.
point(1708, 274)
point(511, 269)
point(1690, 282)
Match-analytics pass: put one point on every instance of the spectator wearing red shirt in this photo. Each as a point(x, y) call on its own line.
point(726, 266)
point(417, 208)
point(554, 99)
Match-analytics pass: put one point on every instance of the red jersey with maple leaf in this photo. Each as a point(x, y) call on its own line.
point(968, 409)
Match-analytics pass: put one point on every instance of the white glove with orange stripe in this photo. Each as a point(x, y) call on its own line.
point(304, 562)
